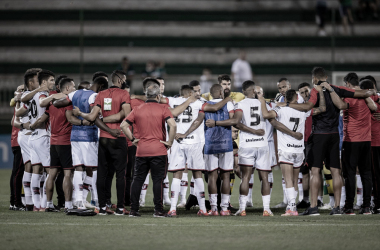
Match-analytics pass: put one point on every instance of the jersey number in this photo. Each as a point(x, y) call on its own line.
point(255, 115)
point(33, 109)
point(187, 112)
point(297, 121)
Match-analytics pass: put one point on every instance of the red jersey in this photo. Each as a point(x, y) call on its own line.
point(60, 127)
point(356, 121)
point(15, 131)
point(110, 102)
point(308, 126)
point(375, 129)
point(150, 119)
point(134, 104)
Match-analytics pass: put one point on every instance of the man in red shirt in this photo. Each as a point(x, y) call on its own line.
point(152, 146)
point(370, 83)
point(112, 150)
point(356, 144)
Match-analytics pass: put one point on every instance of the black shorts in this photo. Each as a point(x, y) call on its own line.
point(308, 157)
point(324, 149)
point(60, 157)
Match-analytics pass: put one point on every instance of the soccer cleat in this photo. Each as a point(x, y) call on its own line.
point(142, 203)
point(100, 211)
point(303, 204)
point(133, 213)
point(80, 205)
point(365, 211)
point(11, 207)
point(35, 209)
point(121, 212)
point(232, 209)
point(311, 211)
point(289, 212)
point(109, 211)
point(240, 213)
point(336, 211)
point(88, 204)
point(348, 211)
point(281, 205)
point(225, 213)
point(29, 208)
point(161, 214)
point(191, 201)
point(376, 210)
point(172, 213)
point(320, 203)
point(357, 207)
point(51, 209)
point(326, 207)
point(20, 208)
point(249, 204)
point(213, 213)
point(182, 204)
point(267, 213)
point(201, 213)
point(166, 203)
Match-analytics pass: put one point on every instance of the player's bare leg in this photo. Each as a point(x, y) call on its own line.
point(175, 190)
point(225, 191)
point(184, 186)
point(265, 192)
point(199, 191)
point(246, 173)
point(291, 181)
point(78, 186)
point(26, 181)
point(213, 192)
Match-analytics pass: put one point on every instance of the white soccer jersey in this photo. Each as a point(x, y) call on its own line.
point(294, 120)
point(269, 127)
point(253, 118)
point(36, 112)
point(186, 118)
point(26, 117)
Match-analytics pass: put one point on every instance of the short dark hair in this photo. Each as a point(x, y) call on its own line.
point(64, 81)
point(367, 84)
point(117, 74)
point(214, 89)
point(29, 74)
point(283, 79)
point(160, 78)
point(185, 89)
point(97, 74)
point(304, 84)
point(371, 78)
point(59, 78)
point(100, 80)
point(352, 78)
point(319, 73)
point(194, 83)
point(44, 75)
point(148, 80)
point(224, 77)
point(80, 86)
point(289, 95)
point(247, 84)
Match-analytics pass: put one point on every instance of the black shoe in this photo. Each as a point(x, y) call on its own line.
point(232, 209)
point(311, 211)
point(29, 208)
point(160, 214)
point(303, 204)
point(365, 211)
point(320, 203)
point(11, 207)
point(59, 207)
point(20, 208)
point(376, 210)
point(207, 204)
point(336, 211)
point(123, 211)
point(348, 211)
point(191, 201)
point(101, 211)
point(51, 209)
point(133, 213)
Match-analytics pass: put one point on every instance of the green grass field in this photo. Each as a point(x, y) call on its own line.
point(30, 230)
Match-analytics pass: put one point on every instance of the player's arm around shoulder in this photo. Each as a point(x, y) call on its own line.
point(266, 114)
point(322, 102)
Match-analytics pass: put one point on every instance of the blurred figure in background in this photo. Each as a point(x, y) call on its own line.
point(206, 81)
point(154, 69)
point(365, 5)
point(127, 68)
point(345, 10)
point(320, 16)
point(241, 71)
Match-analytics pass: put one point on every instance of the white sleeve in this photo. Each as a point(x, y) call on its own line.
point(91, 100)
point(71, 95)
point(171, 101)
point(300, 99)
point(230, 106)
point(269, 108)
point(307, 114)
point(278, 112)
point(235, 67)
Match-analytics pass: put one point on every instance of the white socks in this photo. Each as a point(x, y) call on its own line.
point(184, 184)
point(266, 202)
point(343, 197)
point(87, 182)
point(78, 184)
point(285, 200)
point(291, 194)
point(144, 188)
point(332, 201)
point(175, 189)
point(242, 202)
point(43, 190)
point(225, 202)
point(166, 189)
point(200, 193)
point(300, 188)
point(213, 198)
point(94, 189)
point(69, 204)
point(35, 186)
point(26, 179)
point(359, 191)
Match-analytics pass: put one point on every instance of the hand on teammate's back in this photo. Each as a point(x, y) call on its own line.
point(260, 132)
point(135, 142)
point(115, 132)
point(179, 136)
point(210, 123)
point(298, 136)
point(281, 104)
point(76, 111)
point(59, 96)
point(167, 144)
point(193, 98)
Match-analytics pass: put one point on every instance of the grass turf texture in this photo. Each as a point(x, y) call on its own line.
point(32, 230)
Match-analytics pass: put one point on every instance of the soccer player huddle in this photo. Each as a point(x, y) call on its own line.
point(89, 133)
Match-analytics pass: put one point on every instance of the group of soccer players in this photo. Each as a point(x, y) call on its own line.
point(79, 133)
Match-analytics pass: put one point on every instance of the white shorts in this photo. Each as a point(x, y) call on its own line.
point(23, 141)
point(272, 154)
point(222, 161)
point(40, 151)
point(186, 153)
point(295, 159)
point(255, 157)
point(85, 153)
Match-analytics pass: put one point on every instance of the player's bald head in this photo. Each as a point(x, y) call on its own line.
point(216, 90)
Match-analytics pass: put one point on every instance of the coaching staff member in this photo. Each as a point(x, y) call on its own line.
point(152, 146)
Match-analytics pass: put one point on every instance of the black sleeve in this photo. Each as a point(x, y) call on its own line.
point(167, 118)
point(129, 122)
point(343, 93)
